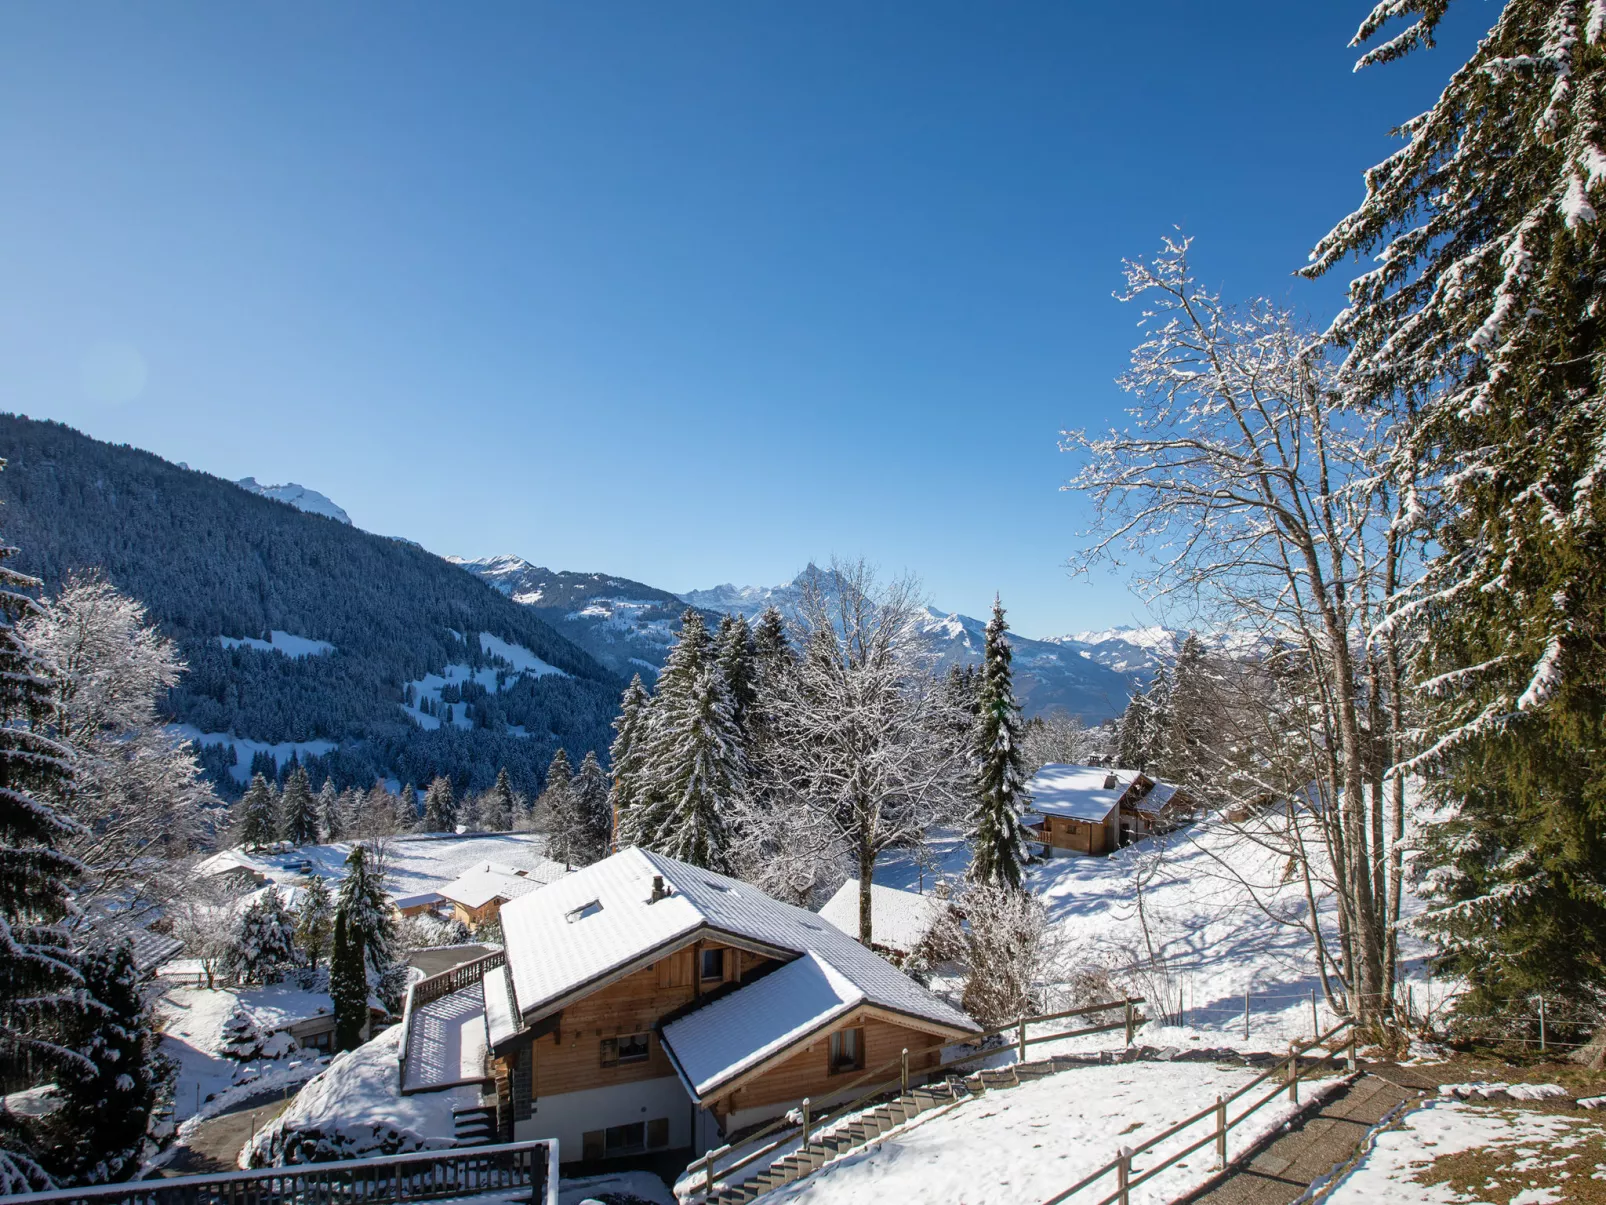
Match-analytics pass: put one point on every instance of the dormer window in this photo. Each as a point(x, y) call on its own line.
point(583, 911)
point(713, 964)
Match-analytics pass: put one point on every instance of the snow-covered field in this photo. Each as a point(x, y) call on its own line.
point(245, 750)
point(414, 864)
point(1519, 1156)
point(1025, 1144)
point(285, 643)
point(518, 660)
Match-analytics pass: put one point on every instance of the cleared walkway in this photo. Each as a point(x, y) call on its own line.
point(447, 1043)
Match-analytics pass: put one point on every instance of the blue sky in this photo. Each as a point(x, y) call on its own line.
point(688, 292)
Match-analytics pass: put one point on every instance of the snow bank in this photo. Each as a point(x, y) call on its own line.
point(1537, 1152)
point(1028, 1143)
point(287, 643)
point(245, 750)
point(354, 1108)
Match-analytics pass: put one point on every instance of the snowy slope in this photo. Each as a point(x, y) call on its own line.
point(1048, 676)
point(298, 496)
point(624, 624)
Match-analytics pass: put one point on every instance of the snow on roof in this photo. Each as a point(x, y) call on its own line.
point(899, 920)
point(501, 1014)
point(1077, 792)
point(1159, 795)
point(479, 886)
point(281, 1005)
point(414, 901)
point(720, 1041)
point(599, 920)
point(414, 865)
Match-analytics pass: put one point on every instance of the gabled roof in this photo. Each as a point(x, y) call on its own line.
point(602, 922)
point(735, 1033)
point(1155, 801)
point(899, 920)
point(1078, 792)
point(478, 886)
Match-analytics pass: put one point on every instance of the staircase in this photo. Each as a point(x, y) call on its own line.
point(868, 1126)
point(475, 1126)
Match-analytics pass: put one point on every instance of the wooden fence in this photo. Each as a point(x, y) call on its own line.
point(1121, 1166)
point(782, 1132)
point(515, 1167)
point(426, 991)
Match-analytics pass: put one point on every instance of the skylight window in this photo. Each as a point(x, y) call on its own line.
point(583, 911)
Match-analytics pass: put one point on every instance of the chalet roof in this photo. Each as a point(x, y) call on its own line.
point(735, 1033)
point(899, 920)
point(478, 886)
point(1077, 792)
point(600, 921)
point(1154, 802)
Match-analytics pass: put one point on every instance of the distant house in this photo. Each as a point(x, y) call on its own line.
point(476, 896)
point(901, 922)
point(643, 1005)
point(1096, 809)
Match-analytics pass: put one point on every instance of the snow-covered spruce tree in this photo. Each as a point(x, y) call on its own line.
point(348, 985)
point(137, 792)
point(440, 807)
point(696, 774)
point(735, 653)
point(593, 817)
point(315, 919)
point(370, 920)
point(555, 807)
point(865, 759)
point(98, 1134)
point(498, 806)
point(997, 837)
point(256, 816)
point(242, 1037)
point(1480, 328)
point(298, 811)
point(1135, 732)
point(331, 812)
point(264, 942)
point(626, 756)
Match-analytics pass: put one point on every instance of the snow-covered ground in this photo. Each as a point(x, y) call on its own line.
point(354, 1108)
point(414, 864)
point(1027, 1143)
point(245, 750)
point(1520, 1156)
point(286, 643)
point(518, 662)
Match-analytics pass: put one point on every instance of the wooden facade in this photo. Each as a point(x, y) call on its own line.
point(1080, 836)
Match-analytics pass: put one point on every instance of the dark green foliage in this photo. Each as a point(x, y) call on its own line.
point(263, 945)
point(298, 813)
point(593, 817)
point(370, 920)
point(348, 986)
point(735, 653)
point(628, 753)
point(315, 920)
point(997, 837)
point(440, 808)
point(99, 1132)
point(211, 559)
point(256, 816)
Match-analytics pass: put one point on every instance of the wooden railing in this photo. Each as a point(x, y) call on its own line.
point(419, 1176)
point(1121, 1166)
point(784, 1132)
point(428, 990)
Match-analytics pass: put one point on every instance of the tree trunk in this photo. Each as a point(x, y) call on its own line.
point(866, 878)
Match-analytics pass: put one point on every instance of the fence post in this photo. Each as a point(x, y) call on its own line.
point(905, 1062)
point(1293, 1072)
point(805, 1121)
point(1221, 1130)
point(1022, 1041)
point(708, 1175)
point(1129, 1022)
point(1246, 1014)
point(1123, 1174)
point(1315, 1025)
point(1541, 1024)
point(1349, 1061)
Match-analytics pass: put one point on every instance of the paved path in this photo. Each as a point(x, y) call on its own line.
point(215, 1143)
point(444, 958)
point(1282, 1169)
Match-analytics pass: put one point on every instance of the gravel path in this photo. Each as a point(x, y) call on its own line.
point(215, 1143)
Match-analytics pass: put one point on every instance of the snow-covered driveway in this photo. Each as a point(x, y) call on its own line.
point(1017, 1146)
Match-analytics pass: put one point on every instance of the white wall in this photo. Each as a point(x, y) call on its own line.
point(568, 1115)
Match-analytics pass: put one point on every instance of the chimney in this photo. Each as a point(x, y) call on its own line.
point(1110, 782)
point(659, 891)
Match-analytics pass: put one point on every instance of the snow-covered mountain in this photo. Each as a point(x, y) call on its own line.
point(1049, 675)
point(626, 625)
point(298, 496)
point(1138, 651)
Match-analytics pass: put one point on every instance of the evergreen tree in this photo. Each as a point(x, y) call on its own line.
point(298, 811)
point(592, 813)
point(1194, 717)
point(440, 807)
point(692, 654)
point(697, 772)
point(1479, 330)
point(256, 823)
point(315, 920)
point(772, 651)
point(370, 920)
point(557, 810)
point(331, 811)
point(500, 806)
point(997, 837)
point(99, 1130)
point(1132, 733)
point(348, 985)
point(264, 941)
point(736, 654)
point(626, 756)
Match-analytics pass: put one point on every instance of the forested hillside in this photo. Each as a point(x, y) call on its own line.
point(212, 560)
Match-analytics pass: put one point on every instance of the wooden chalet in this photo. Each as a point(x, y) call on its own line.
point(1096, 809)
point(646, 1005)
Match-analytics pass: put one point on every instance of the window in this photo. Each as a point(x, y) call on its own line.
point(628, 1139)
point(583, 911)
point(847, 1050)
point(713, 964)
point(591, 1145)
point(657, 1133)
point(321, 1042)
point(626, 1048)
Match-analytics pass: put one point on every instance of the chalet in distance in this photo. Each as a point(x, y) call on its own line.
point(643, 1005)
point(903, 924)
point(1097, 809)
